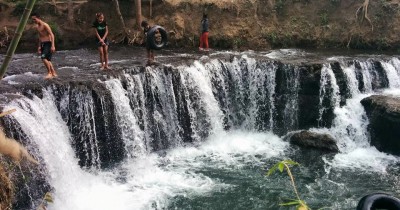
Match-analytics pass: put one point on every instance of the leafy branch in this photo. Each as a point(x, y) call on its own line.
point(282, 165)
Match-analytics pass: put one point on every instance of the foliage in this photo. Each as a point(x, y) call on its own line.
point(14, 42)
point(56, 31)
point(324, 18)
point(279, 6)
point(238, 42)
point(281, 166)
point(19, 8)
point(335, 2)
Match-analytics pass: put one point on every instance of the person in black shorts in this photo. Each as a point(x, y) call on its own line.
point(101, 29)
point(46, 44)
point(150, 52)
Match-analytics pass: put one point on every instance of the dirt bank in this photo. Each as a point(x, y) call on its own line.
point(244, 24)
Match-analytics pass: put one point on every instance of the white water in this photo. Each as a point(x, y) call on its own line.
point(150, 179)
point(350, 126)
point(131, 133)
point(328, 80)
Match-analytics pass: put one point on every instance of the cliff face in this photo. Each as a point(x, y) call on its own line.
point(243, 24)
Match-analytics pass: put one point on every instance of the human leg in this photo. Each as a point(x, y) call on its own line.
point(48, 67)
point(205, 41)
point(201, 41)
point(101, 53)
point(148, 55)
point(53, 72)
point(152, 55)
point(105, 56)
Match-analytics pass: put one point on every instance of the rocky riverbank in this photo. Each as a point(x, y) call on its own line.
point(233, 24)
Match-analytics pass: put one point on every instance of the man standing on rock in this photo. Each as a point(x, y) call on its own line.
point(46, 44)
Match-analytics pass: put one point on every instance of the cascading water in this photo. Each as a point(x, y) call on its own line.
point(350, 123)
point(201, 136)
point(131, 133)
point(329, 92)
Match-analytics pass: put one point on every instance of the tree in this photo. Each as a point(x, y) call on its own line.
point(364, 10)
point(138, 5)
point(70, 6)
point(17, 37)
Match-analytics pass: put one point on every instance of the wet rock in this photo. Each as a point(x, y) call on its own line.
point(6, 190)
point(308, 139)
point(384, 116)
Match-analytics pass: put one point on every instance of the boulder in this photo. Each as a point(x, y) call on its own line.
point(309, 139)
point(384, 116)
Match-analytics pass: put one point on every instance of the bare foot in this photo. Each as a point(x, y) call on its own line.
point(150, 62)
point(54, 74)
point(107, 68)
point(49, 76)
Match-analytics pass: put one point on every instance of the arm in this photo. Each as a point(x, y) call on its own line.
point(105, 34)
point(39, 49)
point(97, 35)
point(51, 36)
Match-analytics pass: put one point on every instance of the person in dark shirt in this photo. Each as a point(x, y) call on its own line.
point(101, 30)
point(204, 34)
point(150, 52)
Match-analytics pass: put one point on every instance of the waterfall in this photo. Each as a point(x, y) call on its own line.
point(261, 91)
point(42, 123)
point(352, 82)
point(290, 112)
point(157, 137)
point(366, 67)
point(392, 74)
point(203, 107)
point(350, 124)
point(154, 105)
point(131, 133)
point(329, 94)
point(85, 126)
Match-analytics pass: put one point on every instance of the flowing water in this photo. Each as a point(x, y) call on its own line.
point(232, 109)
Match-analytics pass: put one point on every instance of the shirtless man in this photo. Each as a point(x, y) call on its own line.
point(46, 44)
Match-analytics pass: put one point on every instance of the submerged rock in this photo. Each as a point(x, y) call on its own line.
point(384, 116)
point(308, 139)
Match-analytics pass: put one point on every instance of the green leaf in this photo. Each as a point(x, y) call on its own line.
point(281, 166)
point(291, 203)
point(291, 162)
point(272, 170)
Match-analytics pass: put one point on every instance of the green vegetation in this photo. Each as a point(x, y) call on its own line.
point(14, 42)
point(281, 166)
point(279, 6)
point(285, 164)
point(19, 8)
point(239, 42)
point(56, 31)
point(335, 2)
point(324, 18)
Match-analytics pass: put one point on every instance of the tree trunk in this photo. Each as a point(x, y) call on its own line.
point(17, 37)
point(120, 17)
point(70, 6)
point(151, 8)
point(138, 4)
